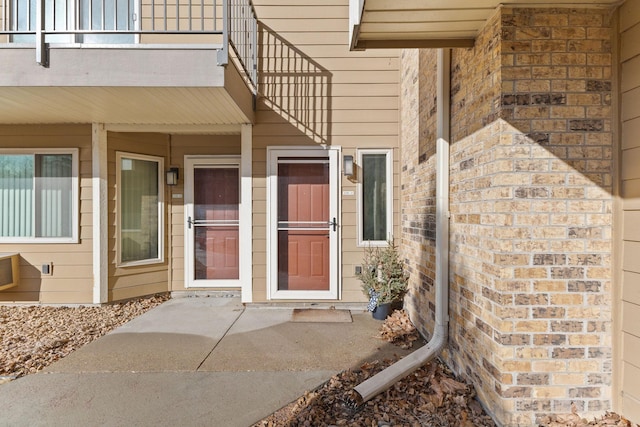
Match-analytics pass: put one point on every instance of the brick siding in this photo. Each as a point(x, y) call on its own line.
point(531, 182)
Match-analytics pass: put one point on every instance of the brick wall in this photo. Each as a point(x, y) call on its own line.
point(418, 178)
point(531, 176)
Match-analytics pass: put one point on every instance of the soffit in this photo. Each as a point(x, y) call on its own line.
point(435, 23)
point(123, 105)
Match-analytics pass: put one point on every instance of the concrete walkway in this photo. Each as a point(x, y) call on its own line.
point(192, 362)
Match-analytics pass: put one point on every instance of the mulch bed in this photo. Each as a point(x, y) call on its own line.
point(33, 337)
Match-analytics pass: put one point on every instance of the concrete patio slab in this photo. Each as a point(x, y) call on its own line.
point(151, 399)
point(266, 340)
point(195, 362)
point(176, 337)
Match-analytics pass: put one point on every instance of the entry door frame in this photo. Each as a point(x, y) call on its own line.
point(190, 164)
point(273, 154)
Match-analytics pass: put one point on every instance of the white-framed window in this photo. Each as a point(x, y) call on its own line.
point(139, 209)
point(39, 196)
point(375, 196)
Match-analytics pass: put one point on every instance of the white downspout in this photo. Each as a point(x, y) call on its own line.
point(394, 373)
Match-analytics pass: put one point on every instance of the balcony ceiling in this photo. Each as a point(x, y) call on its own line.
point(121, 105)
point(122, 86)
point(432, 23)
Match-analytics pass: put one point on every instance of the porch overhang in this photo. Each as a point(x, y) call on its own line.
point(163, 85)
point(375, 24)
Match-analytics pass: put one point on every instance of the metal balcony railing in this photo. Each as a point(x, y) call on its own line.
point(45, 23)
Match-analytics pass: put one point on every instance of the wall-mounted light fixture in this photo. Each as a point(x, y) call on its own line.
point(172, 176)
point(347, 165)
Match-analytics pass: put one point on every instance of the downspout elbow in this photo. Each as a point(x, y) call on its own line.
point(402, 368)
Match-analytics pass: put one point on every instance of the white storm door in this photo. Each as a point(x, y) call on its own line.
point(303, 239)
point(212, 222)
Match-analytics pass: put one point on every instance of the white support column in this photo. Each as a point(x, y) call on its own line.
point(246, 214)
point(99, 202)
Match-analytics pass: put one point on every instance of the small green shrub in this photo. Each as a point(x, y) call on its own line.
point(383, 277)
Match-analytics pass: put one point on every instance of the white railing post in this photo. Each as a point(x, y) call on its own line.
point(41, 48)
point(254, 53)
point(223, 54)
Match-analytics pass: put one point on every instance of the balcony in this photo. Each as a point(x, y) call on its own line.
point(170, 62)
point(431, 23)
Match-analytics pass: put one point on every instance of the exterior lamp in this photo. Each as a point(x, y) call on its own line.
point(347, 165)
point(172, 176)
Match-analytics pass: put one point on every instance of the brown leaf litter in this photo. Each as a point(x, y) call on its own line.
point(398, 329)
point(573, 419)
point(431, 396)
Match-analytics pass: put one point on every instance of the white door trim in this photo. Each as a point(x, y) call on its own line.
point(190, 163)
point(273, 154)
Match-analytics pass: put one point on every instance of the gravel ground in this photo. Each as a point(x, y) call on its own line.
point(33, 337)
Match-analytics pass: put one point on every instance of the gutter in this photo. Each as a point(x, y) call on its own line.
point(402, 368)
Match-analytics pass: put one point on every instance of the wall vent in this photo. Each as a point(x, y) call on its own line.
point(9, 270)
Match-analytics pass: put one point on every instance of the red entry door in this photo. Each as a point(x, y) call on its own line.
point(215, 223)
point(303, 225)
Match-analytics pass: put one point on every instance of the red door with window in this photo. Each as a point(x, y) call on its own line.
point(215, 223)
point(303, 224)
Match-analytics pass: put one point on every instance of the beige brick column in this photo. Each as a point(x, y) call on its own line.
point(531, 182)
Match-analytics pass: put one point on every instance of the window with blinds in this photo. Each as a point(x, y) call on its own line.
point(140, 204)
point(38, 197)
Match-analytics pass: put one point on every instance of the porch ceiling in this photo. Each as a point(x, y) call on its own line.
point(432, 23)
point(122, 105)
point(144, 85)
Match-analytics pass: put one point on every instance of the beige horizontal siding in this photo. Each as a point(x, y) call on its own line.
point(629, 42)
point(337, 129)
point(630, 129)
point(630, 190)
point(630, 74)
point(72, 276)
point(342, 116)
point(313, 90)
point(363, 140)
point(631, 290)
point(131, 281)
point(631, 104)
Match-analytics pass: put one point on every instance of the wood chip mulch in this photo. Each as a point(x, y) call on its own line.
point(33, 337)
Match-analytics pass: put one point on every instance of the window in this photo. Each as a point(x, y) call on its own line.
point(98, 20)
point(38, 196)
point(139, 209)
point(375, 200)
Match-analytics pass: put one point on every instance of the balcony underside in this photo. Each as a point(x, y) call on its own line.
point(432, 23)
point(164, 86)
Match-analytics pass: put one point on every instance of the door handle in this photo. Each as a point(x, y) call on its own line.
point(334, 224)
point(190, 222)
